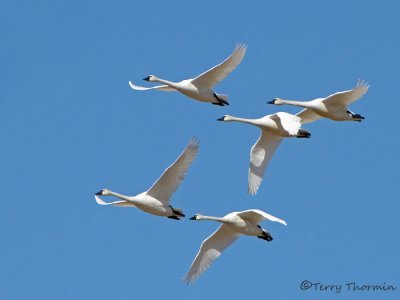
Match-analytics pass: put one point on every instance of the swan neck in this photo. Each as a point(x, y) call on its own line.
point(123, 197)
point(164, 81)
point(210, 218)
point(242, 120)
point(295, 103)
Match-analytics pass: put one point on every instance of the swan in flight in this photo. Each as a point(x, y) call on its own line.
point(233, 225)
point(333, 107)
point(274, 128)
point(156, 200)
point(201, 87)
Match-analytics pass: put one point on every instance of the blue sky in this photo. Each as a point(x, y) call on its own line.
point(71, 125)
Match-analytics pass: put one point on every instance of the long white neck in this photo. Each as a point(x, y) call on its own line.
point(242, 120)
point(305, 104)
point(210, 218)
point(123, 197)
point(164, 81)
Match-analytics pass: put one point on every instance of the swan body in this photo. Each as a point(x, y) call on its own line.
point(274, 128)
point(233, 225)
point(333, 107)
point(201, 87)
point(156, 200)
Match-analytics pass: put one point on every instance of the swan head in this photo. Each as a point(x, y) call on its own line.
point(150, 78)
point(195, 217)
point(103, 192)
point(225, 118)
point(276, 101)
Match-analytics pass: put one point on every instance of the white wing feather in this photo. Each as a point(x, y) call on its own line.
point(210, 250)
point(116, 203)
point(158, 87)
point(348, 97)
point(214, 75)
point(173, 176)
point(344, 98)
point(289, 122)
point(260, 155)
point(307, 116)
point(256, 216)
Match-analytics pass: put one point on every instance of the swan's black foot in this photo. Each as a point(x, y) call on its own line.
point(177, 212)
point(356, 117)
point(266, 236)
point(224, 102)
point(303, 134)
point(221, 102)
point(173, 217)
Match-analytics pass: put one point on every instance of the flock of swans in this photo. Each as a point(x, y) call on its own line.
point(274, 127)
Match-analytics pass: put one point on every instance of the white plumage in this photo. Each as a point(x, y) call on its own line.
point(333, 107)
point(201, 87)
point(233, 225)
point(274, 128)
point(156, 200)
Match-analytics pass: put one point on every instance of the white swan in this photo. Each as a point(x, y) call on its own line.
point(233, 225)
point(273, 128)
point(201, 87)
point(156, 200)
point(333, 107)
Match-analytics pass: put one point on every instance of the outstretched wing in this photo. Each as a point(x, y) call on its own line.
point(260, 155)
point(166, 88)
point(173, 176)
point(348, 97)
point(116, 203)
point(289, 122)
point(210, 250)
point(307, 116)
point(256, 216)
point(219, 72)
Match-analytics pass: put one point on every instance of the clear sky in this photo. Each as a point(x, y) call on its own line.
point(70, 125)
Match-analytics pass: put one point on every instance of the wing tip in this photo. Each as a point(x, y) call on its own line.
point(188, 279)
point(132, 85)
point(251, 191)
point(240, 46)
point(194, 142)
point(253, 187)
point(254, 182)
point(362, 83)
point(99, 200)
